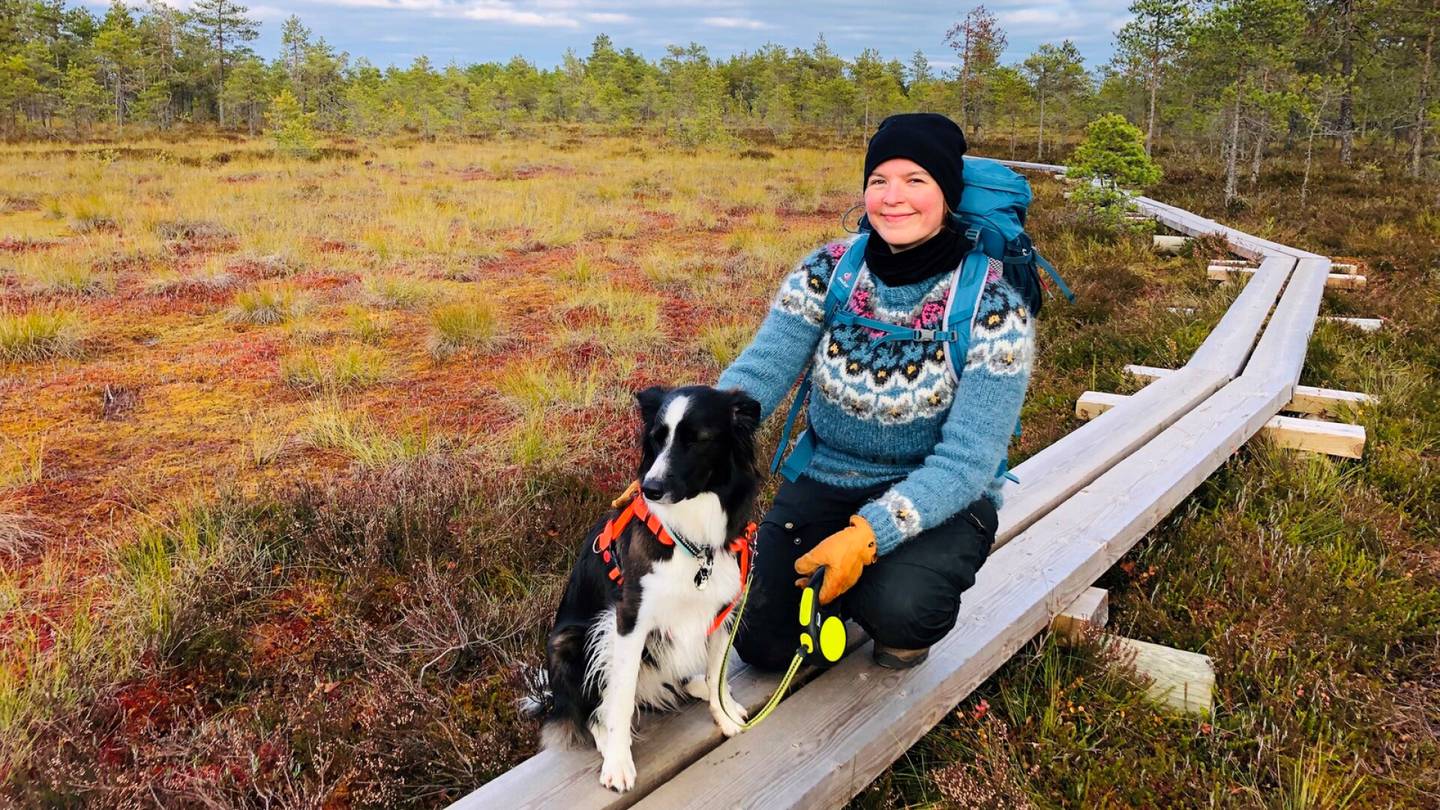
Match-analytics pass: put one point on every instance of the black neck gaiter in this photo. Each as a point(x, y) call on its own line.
point(940, 253)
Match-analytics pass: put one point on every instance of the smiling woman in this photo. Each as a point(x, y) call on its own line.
point(897, 496)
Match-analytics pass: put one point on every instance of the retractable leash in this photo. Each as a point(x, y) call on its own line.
point(822, 641)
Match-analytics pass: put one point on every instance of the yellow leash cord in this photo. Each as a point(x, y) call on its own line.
point(779, 690)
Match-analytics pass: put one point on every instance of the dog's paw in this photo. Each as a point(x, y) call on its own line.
point(618, 772)
point(696, 688)
point(727, 724)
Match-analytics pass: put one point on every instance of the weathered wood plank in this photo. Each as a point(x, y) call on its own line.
point(834, 736)
point(1162, 243)
point(1089, 611)
point(1331, 438)
point(664, 744)
point(1307, 399)
point(1363, 324)
point(1180, 680)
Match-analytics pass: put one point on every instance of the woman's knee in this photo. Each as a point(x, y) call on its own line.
point(910, 618)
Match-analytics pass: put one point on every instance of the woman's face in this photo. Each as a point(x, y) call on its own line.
point(904, 203)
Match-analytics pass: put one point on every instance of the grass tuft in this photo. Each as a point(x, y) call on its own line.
point(349, 368)
point(39, 335)
point(470, 324)
point(266, 305)
point(399, 292)
point(334, 428)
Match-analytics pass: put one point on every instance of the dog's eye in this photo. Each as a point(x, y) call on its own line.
point(658, 434)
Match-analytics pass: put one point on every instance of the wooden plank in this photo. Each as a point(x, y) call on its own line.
point(1341, 281)
point(1078, 458)
point(1328, 402)
point(833, 737)
point(1282, 348)
point(664, 744)
point(1307, 399)
point(1089, 612)
point(1161, 243)
point(1363, 324)
point(1179, 680)
point(1224, 270)
point(1093, 403)
point(1233, 262)
point(1147, 373)
point(1234, 336)
point(1331, 438)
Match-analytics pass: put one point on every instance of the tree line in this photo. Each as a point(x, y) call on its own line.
point(1235, 75)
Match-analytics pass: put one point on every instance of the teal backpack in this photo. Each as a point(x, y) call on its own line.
point(992, 212)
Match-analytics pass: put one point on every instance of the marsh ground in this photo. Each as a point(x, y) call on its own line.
point(295, 455)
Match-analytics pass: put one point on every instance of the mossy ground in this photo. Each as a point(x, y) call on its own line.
point(240, 568)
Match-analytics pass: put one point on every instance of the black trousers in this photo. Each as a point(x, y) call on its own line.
point(908, 598)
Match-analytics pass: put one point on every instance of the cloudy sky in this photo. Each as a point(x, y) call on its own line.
point(396, 31)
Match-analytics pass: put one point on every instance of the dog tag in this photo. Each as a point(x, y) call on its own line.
point(707, 564)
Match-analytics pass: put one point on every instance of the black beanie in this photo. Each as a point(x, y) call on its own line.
point(930, 139)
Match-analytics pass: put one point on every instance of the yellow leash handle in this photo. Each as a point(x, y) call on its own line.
point(819, 633)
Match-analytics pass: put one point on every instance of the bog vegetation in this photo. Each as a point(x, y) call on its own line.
point(298, 432)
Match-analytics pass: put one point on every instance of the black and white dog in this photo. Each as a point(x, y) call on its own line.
point(647, 641)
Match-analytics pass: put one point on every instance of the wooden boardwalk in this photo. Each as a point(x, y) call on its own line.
point(1081, 505)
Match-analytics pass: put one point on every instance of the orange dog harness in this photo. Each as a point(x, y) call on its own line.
point(743, 546)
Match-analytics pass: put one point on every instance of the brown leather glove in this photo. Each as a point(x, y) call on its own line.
point(844, 554)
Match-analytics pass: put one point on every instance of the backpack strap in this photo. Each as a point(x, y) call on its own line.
point(1055, 275)
point(969, 286)
point(837, 294)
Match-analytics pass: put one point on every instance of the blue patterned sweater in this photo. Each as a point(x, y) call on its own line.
point(893, 412)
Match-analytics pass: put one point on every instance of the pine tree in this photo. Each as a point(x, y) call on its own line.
point(226, 28)
point(1148, 45)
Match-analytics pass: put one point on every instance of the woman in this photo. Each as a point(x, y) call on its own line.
point(899, 500)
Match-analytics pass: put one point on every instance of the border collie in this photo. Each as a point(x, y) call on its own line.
point(647, 641)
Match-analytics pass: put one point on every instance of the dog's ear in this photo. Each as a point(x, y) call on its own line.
point(744, 411)
point(649, 401)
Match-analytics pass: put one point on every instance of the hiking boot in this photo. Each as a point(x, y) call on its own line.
point(896, 658)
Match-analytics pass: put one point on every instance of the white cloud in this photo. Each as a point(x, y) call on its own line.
point(608, 17)
point(1038, 18)
point(734, 22)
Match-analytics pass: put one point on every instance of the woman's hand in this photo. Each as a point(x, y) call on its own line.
point(844, 554)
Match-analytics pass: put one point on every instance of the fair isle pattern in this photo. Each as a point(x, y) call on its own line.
point(802, 293)
point(893, 412)
point(1001, 342)
point(894, 381)
point(902, 512)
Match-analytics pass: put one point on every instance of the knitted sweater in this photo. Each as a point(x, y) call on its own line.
point(892, 411)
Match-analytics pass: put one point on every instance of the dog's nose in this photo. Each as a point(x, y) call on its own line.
point(652, 491)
